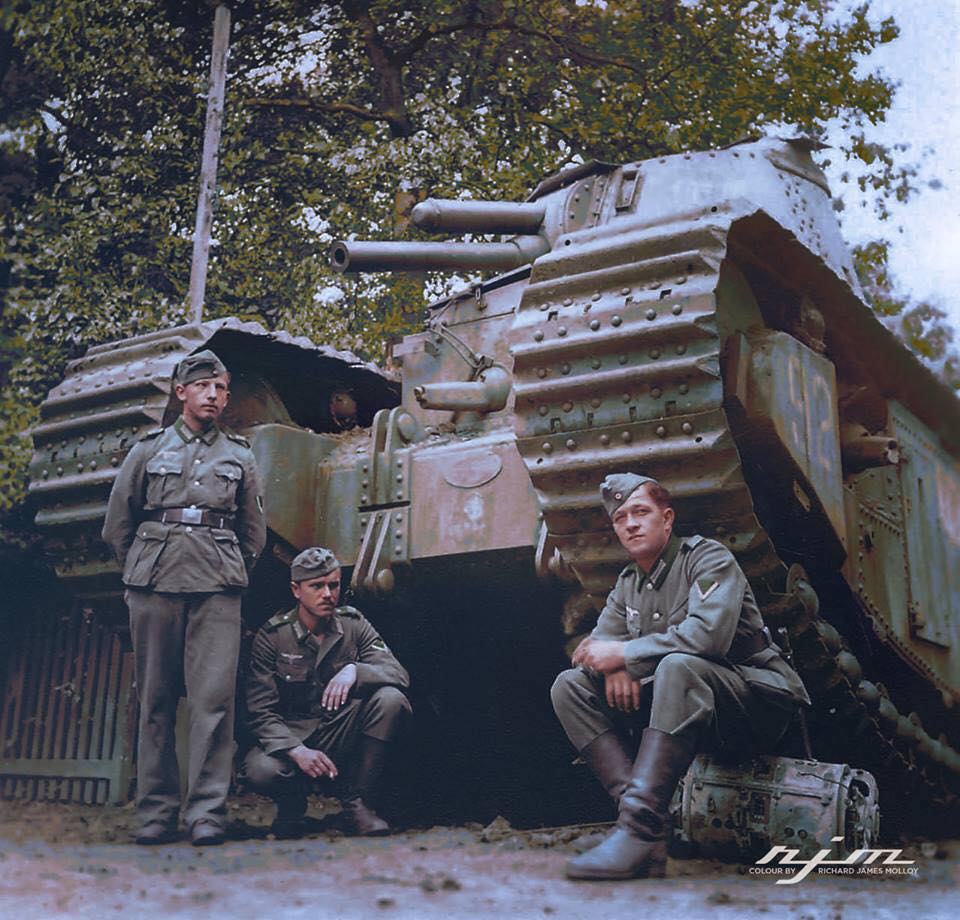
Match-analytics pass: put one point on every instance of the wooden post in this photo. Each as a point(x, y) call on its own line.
point(208, 166)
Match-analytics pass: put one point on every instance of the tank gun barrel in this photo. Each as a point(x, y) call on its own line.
point(366, 256)
point(487, 394)
point(442, 215)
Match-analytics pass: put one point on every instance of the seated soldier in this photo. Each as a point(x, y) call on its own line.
point(323, 691)
point(680, 636)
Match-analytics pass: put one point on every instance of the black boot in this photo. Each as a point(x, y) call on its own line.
point(291, 810)
point(637, 847)
point(359, 819)
point(608, 760)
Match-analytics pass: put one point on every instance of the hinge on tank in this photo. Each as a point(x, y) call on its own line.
point(384, 504)
point(631, 179)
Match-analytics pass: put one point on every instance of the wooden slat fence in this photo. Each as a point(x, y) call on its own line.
point(67, 722)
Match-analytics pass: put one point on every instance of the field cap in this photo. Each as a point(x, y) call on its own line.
point(313, 563)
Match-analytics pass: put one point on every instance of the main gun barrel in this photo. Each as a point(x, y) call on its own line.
point(442, 215)
point(363, 256)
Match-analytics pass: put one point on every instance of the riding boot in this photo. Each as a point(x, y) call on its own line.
point(637, 847)
point(359, 818)
point(607, 758)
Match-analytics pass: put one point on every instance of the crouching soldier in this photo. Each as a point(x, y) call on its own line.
point(680, 638)
point(324, 697)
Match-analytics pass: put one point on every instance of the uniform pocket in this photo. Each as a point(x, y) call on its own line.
point(295, 685)
point(148, 545)
point(226, 478)
point(232, 569)
point(293, 672)
point(164, 477)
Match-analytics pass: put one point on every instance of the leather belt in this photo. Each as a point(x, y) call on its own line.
point(198, 517)
point(747, 646)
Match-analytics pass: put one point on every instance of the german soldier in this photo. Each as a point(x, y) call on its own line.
point(185, 519)
point(323, 690)
point(683, 618)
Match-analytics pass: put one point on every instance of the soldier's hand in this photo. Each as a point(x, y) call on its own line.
point(623, 692)
point(603, 655)
point(314, 763)
point(338, 689)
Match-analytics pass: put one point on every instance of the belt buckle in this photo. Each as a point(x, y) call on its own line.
point(192, 515)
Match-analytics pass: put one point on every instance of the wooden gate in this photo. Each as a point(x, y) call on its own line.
point(68, 719)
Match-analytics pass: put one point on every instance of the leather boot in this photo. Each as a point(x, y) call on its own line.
point(637, 847)
point(607, 758)
point(359, 819)
point(291, 805)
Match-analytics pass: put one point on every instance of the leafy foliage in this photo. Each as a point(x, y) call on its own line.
point(339, 117)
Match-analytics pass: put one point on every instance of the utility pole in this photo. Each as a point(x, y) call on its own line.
point(208, 165)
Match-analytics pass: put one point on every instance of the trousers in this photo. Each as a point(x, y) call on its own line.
point(703, 703)
point(379, 716)
point(184, 643)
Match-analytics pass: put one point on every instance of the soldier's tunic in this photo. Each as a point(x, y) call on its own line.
point(693, 627)
point(183, 590)
point(288, 672)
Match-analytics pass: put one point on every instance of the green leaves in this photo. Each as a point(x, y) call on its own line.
point(332, 109)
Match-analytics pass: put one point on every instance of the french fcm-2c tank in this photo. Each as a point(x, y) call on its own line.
point(694, 317)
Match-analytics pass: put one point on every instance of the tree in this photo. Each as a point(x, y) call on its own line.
point(339, 117)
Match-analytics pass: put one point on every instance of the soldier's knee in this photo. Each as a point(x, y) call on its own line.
point(391, 701)
point(564, 689)
point(263, 771)
point(675, 667)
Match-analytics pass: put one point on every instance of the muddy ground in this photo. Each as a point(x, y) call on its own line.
point(69, 861)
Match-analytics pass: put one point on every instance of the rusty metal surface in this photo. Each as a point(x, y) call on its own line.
point(732, 810)
point(68, 712)
point(908, 554)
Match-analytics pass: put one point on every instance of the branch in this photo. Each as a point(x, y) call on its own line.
point(314, 105)
point(385, 63)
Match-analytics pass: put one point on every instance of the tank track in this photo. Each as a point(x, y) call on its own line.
point(617, 367)
point(113, 395)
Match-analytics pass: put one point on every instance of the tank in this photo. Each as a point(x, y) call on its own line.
point(693, 317)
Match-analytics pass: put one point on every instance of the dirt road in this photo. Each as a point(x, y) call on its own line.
point(76, 862)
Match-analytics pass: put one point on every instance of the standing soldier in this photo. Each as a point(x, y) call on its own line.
point(323, 692)
point(185, 519)
point(683, 618)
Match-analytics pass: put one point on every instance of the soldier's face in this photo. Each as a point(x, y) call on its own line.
point(643, 527)
point(203, 400)
point(318, 597)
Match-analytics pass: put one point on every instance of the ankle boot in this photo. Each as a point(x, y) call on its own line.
point(607, 758)
point(359, 818)
point(637, 847)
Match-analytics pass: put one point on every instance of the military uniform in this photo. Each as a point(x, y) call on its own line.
point(185, 519)
point(692, 625)
point(288, 672)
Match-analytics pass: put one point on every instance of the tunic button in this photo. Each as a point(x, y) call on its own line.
point(286, 677)
point(649, 586)
point(656, 616)
point(163, 470)
point(197, 460)
point(189, 530)
point(196, 482)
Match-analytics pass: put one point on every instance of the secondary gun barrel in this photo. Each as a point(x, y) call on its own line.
point(443, 215)
point(364, 256)
point(487, 394)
